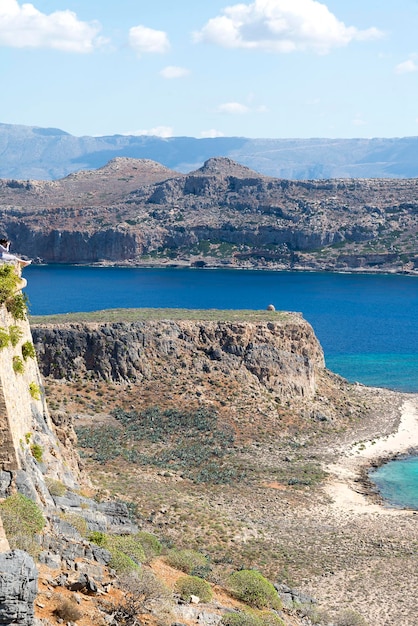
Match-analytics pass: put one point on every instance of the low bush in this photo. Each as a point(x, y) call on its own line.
point(152, 547)
point(15, 334)
point(22, 520)
point(4, 338)
point(126, 550)
point(9, 280)
point(188, 561)
point(37, 452)
point(17, 305)
point(67, 609)
point(121, 562)
point(252, 618)
point(252, 588)
point(34, 391)
point(188, 586)
point(77, 521)
point(28, 350)
point(98, 537)
point(18, 366)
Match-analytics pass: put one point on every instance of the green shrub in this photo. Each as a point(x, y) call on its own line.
point(21, 515)
point(126, 551)
point(152, 547)
point(17, 305)
point(9, 280)
point(188, 561)
point(128, 544)
point(37, 452)
point(55, 487)
point(18, 366)
point(28, 350)
point(188, 586)
point(252, 588)
point(34, 391)
point(241, 618)
point(121, 562)
point(252, 618)
point(4, 338)
point(98, 538)
point(15, 334)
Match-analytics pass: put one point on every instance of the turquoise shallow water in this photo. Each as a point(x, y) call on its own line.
point(397, 482)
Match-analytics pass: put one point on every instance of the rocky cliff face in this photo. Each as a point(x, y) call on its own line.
point(222, 214)
point(283, 356)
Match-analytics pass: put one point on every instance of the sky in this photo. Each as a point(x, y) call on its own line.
point(198, 68)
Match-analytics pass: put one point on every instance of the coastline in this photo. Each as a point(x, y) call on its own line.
point(349, 486)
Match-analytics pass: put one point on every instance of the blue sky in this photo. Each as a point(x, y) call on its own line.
point(266, 68)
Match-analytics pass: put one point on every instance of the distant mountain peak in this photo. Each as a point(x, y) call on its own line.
point(224, 166)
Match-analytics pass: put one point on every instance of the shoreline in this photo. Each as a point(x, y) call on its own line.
point(349, 486)
point(266, 268)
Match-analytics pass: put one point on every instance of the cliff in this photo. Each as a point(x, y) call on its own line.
point(138, 212)
point(281, 355)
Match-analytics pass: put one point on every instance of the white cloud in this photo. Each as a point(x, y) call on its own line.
point(157, 131)
point(281, 26)
point(23, 26)
point(406, 67)
point(172, 71)
point(211, 134)
point(233, 107)
point(147, 40)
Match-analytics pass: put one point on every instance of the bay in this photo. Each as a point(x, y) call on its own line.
point(366, 323)
point(397, 482)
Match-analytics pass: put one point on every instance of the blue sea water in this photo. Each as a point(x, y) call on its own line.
point(397, 482)
point(367, 324)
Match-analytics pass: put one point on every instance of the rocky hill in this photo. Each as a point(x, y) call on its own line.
point(137, 212)
point(30, 152)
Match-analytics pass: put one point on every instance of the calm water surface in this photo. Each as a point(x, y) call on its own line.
point(367, 324)
point(398, 482)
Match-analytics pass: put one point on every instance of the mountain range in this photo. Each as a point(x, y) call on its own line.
point(31, 152)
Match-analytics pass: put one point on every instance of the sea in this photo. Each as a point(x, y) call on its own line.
point(367, 323)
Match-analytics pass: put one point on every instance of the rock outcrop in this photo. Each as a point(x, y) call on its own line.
point(283, 355)
point(18, 588)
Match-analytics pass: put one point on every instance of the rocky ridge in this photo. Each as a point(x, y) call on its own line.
point(137, 212)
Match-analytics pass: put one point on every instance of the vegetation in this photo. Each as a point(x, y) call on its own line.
point(349, 617)
point(18, 366)
point(252, 588)
point(126, 550)
point(188, 561)
point(133, 315)
point(17, 305)
point(37, 452)
point(9, 281)
point(55, 487)
point(194, 443)
point(150, 544)
point(15, 334)
point(28, 350)
point(251, 618)
point(34, 391)
point(188, 586)
point(4, 338)
point(22, 520)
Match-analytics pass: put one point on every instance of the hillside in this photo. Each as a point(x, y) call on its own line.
point(138, 212)
point(227, 436)
point(30, 152)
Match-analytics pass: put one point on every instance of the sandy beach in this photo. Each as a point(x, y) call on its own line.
point(346, 485)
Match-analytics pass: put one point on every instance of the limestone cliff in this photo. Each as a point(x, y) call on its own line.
point(283, 356)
